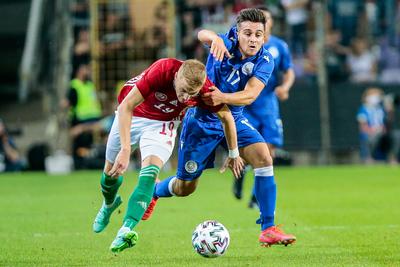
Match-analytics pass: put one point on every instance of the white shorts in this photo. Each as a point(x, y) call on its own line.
point(155, 138)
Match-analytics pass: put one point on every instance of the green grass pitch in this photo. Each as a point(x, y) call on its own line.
point(341, 215)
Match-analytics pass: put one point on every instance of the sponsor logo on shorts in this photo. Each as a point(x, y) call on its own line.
point(191, 166)
point(160, 96)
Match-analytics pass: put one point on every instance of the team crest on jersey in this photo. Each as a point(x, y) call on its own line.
point(160, 96)
point(247, 68)
point(191, 166)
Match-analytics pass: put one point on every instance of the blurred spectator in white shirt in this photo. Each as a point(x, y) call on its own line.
point(361, 62)
point(297, 18)
point(389, 62)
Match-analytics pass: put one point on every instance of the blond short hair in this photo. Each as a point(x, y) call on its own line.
point(371, 91)
point(194, 73)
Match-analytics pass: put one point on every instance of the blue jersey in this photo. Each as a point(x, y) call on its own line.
point(202, 132)
point(373, 116)
point(263, 113)
point(267, 101)
point(231, 75)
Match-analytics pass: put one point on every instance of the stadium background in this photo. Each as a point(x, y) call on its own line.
point(38, 41)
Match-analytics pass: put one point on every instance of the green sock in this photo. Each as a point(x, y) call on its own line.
point(109, 187)
point(141, 196)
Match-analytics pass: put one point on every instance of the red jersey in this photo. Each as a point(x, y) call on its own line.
point(156, 84)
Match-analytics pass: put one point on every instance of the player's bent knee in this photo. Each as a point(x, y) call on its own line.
point(266, 160)
point(262, 161)
point(257, 155)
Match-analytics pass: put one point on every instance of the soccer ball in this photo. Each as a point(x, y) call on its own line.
point(210, 239)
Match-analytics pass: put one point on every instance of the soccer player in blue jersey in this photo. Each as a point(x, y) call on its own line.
point(264, 113)
point(240, 67)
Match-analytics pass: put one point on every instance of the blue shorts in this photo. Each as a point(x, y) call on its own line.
point(199, 140)
point(269, 126)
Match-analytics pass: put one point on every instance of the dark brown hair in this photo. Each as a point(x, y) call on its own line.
point(250, 14)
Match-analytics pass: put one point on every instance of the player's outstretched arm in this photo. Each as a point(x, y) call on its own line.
point(282, 91)
point(216, 44)
point(242, 98)
point(234, 161)
point(132, 100)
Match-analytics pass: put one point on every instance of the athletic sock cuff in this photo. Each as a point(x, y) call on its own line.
point(264, 171)
point(170, 186)
point(108, 181)
point(149, 171)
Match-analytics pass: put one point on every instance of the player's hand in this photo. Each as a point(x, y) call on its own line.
point(121, 163)
point(282, 93)
point(235, 164)
point(213, 98)
point(219, 50)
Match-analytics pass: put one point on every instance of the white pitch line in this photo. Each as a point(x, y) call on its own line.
point(343, 227)
point(328, 227)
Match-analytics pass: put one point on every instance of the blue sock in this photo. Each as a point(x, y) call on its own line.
point(164, 188)
point(265, 192)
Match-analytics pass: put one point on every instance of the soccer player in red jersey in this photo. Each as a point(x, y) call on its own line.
point(150, 111)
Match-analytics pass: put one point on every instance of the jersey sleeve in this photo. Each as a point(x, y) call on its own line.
point(232, 33)
point(200, 103)
point(229, 40)
point(152, 78)
point(264, 68)
point(213, 109)
point(286, 62)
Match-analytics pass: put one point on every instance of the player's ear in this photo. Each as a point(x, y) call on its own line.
point(175, 78)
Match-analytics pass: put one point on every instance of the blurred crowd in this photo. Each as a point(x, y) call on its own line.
point(362, 37)
point(88, 122)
